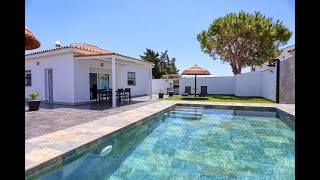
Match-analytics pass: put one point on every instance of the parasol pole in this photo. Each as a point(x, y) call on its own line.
point(195, 85)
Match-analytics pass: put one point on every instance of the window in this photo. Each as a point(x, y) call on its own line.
point(131, 78)
point(28, 78)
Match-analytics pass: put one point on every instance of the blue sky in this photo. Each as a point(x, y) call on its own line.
point(129, 27)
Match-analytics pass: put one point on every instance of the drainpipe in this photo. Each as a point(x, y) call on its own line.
point(278, 81)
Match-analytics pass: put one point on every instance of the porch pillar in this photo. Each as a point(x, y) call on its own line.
point(150, 83)
point(114, 82)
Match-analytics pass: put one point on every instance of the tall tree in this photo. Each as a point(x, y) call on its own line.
point(168, 65)
point(244, 39)
point(153, 57)
point(162, 63)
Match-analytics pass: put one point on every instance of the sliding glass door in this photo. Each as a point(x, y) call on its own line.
point(98, 81)
point(103, 81)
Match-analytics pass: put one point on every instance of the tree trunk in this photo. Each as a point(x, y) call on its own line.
point(236, 70)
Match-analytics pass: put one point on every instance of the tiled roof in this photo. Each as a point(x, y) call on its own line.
point(82, 46)
point(87, 47)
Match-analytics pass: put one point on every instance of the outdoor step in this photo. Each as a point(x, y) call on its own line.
point(189, 107)
point(186, 112)
point(186, 117)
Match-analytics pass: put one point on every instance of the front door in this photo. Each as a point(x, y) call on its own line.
point(48, 85)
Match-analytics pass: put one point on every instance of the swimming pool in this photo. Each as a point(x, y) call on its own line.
point(191, 142)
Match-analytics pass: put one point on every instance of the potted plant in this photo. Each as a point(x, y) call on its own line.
point(161, 94)
point(34, 103)
point(171, 91)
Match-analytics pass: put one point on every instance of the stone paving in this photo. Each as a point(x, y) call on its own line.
point(65, 116)
point(49, 148)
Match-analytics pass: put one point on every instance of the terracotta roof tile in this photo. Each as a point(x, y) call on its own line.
point(87, 47)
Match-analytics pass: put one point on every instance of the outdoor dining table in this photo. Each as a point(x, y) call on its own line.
point(108, 93)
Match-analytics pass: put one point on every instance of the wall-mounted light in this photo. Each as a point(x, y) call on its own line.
point(101, 64)
point(37, 63)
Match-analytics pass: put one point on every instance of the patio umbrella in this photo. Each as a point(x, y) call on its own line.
point(195, 70)
point(30, 41)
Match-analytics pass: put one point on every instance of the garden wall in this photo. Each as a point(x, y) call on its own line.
point(254, 84)
point(287, 81)
point(160, 84)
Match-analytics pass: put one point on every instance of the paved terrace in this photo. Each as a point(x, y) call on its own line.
point(65, 116)
point(47, 149)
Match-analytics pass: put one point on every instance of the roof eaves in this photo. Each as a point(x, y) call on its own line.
point(113, 53)
point(47, 50)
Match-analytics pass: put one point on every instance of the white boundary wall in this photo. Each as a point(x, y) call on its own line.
point(256, 84)
point(269, 80)
point(215, 85)
point(160, 84)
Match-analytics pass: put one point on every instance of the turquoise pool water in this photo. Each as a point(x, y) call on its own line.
point(191, 143)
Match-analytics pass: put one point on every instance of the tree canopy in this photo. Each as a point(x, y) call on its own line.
point(162, 63)
point(244, 39)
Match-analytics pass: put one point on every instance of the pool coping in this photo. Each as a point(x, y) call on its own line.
point(49, 149)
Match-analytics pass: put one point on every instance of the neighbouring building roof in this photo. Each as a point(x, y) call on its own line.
point(170, 76)
point(92, 51)
point(286, 49)
point(30, 41)
point(195, 70)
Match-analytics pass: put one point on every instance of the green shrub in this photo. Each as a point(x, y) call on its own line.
point(34, 95)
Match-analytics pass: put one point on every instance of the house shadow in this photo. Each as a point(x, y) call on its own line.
point(89, 106)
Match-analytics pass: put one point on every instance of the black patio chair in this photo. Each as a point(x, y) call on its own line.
point(187, 91)
point(127, 94)
point(119, 94)
point(203, 92)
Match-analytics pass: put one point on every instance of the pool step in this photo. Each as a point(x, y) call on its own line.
point(189, 117)
point(188, 107)
point(187, 112)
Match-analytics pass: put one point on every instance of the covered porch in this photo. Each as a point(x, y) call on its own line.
point(113, 74)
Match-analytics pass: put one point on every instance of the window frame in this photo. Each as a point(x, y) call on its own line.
point(131, 79)
point(26, 78)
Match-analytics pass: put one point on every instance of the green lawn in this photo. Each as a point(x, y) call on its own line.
point(221, 98)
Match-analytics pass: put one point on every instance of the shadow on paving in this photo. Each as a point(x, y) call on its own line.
point(91, 106)
point(53, 117)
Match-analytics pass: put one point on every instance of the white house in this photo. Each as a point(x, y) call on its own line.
point(284, 55)
point(67, 74)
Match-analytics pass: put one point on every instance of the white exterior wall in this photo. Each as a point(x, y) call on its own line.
point(142, 79)
point(215, 85)
point(269, 79)
point(62, 74)
point(84, 67)
point(160, 84)
point(71, 77)
point(248, 84)
point(82, 78)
